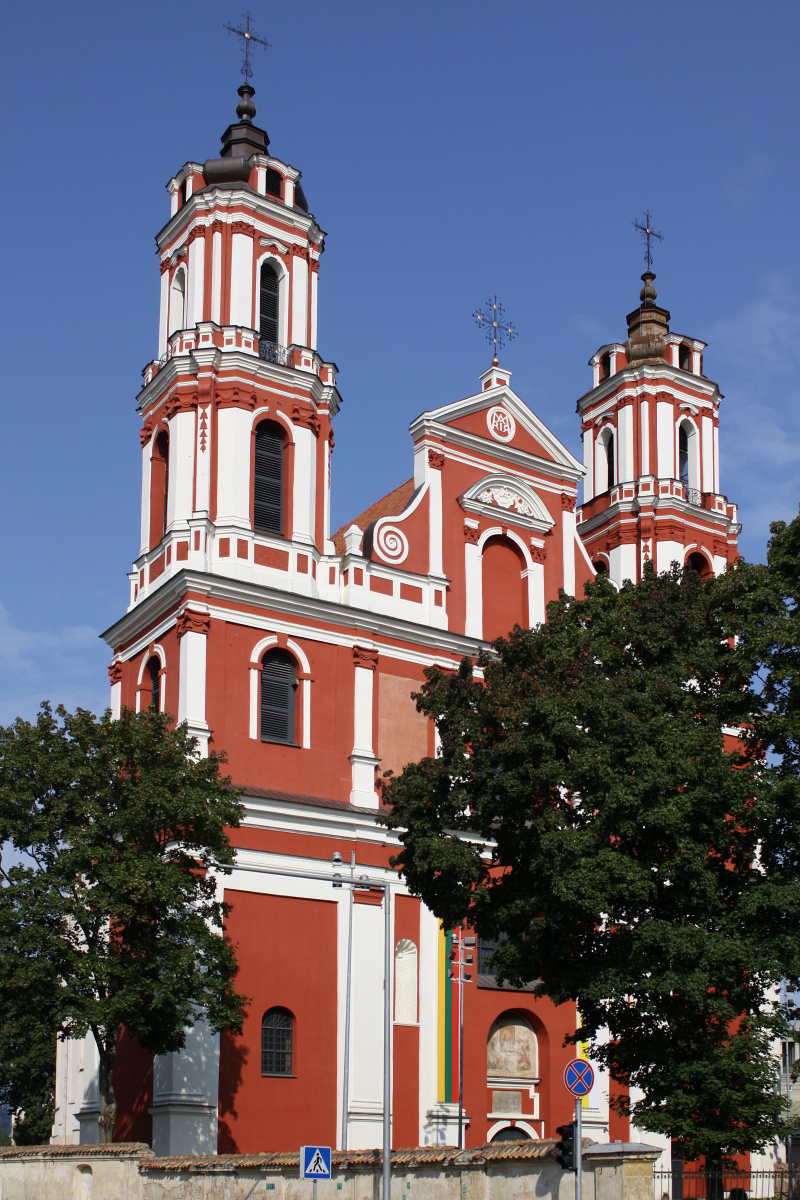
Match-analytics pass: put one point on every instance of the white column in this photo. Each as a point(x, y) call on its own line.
point(568, 544)
point(536, 608)
point(326, 483)
point(299, 331)
point(588, 462)
point(435, 464)
point(716, 487)
point(312, 340)
point(233, 466)
point(665, 435)
point(196, 281)
point(202, 489)
point(193, 628)
point(216, 277)
point(363, 760)
point(305, 484)
point(625, 453)
point(707, 448)
point(645, 419)
point(473, 587)
point(163, 313)
point(627, 562)
point(115, 703)
point(242, 280)
point(181, 466)
point(147, 452)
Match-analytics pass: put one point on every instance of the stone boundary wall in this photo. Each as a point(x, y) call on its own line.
point(504, 1171)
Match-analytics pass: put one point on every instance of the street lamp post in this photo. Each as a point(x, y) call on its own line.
point(461, 956)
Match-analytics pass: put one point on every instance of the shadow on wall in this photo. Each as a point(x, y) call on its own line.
point(233, 1056)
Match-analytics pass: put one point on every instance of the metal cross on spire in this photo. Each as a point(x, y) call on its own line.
point(498, 330)
point(647, 233)
point(249, 37)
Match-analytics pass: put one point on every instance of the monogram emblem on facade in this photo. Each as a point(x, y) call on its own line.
point(502, 425)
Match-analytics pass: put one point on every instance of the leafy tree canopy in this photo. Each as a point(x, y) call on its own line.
point(110, 916)
point(602, 798)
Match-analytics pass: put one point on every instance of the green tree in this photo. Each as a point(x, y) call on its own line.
point(588, 804)
point(111, 912)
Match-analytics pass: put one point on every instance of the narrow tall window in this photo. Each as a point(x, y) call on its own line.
point(278, 691)
point(155, 684)
point(268, 480)
point(159, 487)
point(268, 310)
point(276, 1042)
point(685, 357)
point(683, 455)
point(177, 302)
point(610, 460)
point(605, 366)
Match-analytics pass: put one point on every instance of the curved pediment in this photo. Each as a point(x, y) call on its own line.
point(497, 492)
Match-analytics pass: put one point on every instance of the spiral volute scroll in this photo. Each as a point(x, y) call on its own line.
point(391, 544)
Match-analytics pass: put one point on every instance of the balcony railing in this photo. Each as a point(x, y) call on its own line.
point(694, 496)
point(723, 1185)
point(273, 352)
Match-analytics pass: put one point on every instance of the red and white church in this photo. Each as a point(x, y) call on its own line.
point(296, 650)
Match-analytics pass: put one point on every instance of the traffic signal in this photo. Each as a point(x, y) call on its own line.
point(565, 1150)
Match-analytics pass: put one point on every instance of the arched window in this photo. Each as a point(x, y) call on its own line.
point(699, 563)
point(604, 461)
point(159, 487)
point(278, 697)
point(277, 1030)
point(268, 479)
point(511, 1048)
point(685, 357)
point(689, 461)
point(268, 306)
point(605, 366)
point(177, 302)
point(154, 669)
point(600, 567)
point(511, 1133)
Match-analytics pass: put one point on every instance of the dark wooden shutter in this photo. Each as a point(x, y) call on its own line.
point(268, 326)
point(155, 685)
point(268, 480)
point(278, 683)
point(610, 460)
point(273, 184)
point(276, 1042)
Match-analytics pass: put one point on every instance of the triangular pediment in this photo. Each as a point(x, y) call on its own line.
point(499, 417)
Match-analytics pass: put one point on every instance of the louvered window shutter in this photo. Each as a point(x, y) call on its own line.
point(268, 481)
point(268, 327)
point(155, 686)
point(273, 182)
point(278, 683)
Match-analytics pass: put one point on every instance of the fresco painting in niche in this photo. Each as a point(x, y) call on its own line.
point(511, 1050)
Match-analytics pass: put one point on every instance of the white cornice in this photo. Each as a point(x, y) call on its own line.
point(226, 591)
point(631, 378)
point(224, 201)
point(426, 426)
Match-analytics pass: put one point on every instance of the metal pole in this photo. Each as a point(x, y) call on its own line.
point(788, 1110)
point(346, 1081)
point(387, 1043)
point(578, 1149)
point(461, 1045)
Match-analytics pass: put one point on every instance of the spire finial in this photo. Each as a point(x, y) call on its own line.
point(498, 330)
point(647, 233)
point(250, 39)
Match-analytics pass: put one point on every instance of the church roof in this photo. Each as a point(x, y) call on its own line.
point(388, 506)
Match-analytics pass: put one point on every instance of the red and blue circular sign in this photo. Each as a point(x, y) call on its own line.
point(579, 1077)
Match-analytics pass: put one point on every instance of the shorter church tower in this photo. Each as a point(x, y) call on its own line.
point(650, 426)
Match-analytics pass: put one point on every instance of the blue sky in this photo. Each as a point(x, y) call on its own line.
point(452, 149)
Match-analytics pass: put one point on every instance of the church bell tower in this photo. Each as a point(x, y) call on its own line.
point(650, 427)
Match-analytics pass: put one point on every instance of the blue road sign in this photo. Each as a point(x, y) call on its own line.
point(315, 1162)
point(579, 1077)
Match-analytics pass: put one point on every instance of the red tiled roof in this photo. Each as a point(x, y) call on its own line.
point(388, 506)
point(343, 1160)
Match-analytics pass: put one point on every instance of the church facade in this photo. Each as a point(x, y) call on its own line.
point(296, 650)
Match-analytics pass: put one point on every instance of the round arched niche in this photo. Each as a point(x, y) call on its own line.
point(511, 1050)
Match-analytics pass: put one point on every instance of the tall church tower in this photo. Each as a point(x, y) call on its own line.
point(238, 387)
point(650, 426)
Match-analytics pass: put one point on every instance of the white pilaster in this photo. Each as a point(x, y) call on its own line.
point(536, 606)
point(196, 282)
point(181, 466)
point(202, 487)
point(163, 313)
point(667, 553)
point(645, 419)
point(363, 760)
point(186, 1095)
point(147, 453)
point(627, 562)
point(625, 452)
point(233, 466)
point(305, 483)
point(242, 280)
point(299, 331)
point(717, 486)
point(588, 462)
point(216, 277)
point(193, 627)
point(707, 452)
point(312, 340)
point(665, 434)
point(473, 587)
point(435, 518)
point(568, 544)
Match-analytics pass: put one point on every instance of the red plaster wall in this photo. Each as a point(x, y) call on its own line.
point(505, 592)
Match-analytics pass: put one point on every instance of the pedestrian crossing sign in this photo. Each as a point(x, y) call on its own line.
point(315, 1162)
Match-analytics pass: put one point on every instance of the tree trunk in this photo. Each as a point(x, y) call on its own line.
point(108, 1104)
